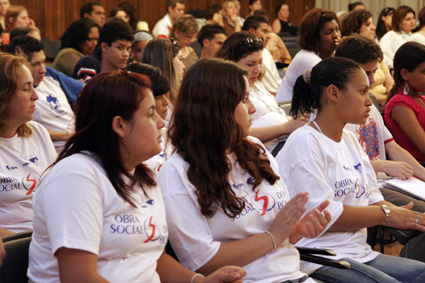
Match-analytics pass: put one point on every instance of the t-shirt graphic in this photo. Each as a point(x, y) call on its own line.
point(55, 105)
point(368, 139)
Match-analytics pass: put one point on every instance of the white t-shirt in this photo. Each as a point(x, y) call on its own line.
point(271, 79)
point(303, 60)
point(155, 162)
point(22, 161)
point(390, 43)
point(336, 171)
point(417, 37)
point(163, 27)
point(78, 208)
point(53, 110)
point(373, 135)
point(268, 113)
point(196, 238)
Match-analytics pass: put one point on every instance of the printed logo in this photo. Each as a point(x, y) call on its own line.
point(358, 167)
point(360, 190)
point(10, 168)
point(264, 202)
point(251, 180)
point(238, 186)
point(31, 181)
point(25, 164)
point(34, 160)
point(346, 168)
point(55, 105)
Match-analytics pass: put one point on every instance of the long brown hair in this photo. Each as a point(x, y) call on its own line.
point(203, 127)
point(105, 96)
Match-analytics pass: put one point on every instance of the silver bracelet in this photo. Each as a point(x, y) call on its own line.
point(271, 236)
point(194, 276)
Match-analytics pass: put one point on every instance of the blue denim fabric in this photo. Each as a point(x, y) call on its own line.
point(384, 268)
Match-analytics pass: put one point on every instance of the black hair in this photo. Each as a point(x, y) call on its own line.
point(115, 29)
point(254, 22)
point(88, 8)
point(380, 26)
point(20, 31)
point(131, 12)
point(360, 49)
point(160, 83)
point(26, 45)
point(307, 96)
point(239, 45)
point(208, 32)
point(409, 56)
point(353, 5)
point(77, 33)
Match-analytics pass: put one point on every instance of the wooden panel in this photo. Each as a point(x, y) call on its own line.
point(54, 16)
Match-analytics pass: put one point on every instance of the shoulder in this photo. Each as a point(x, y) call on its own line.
point(38, 130)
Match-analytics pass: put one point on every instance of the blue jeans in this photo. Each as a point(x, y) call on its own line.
point(383, 268)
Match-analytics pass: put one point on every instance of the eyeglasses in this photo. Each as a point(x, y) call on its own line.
point(251, 41)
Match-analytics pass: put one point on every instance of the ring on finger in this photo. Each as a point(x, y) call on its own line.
point(417, 220)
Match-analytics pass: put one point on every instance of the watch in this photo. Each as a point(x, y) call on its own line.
point(386, 210)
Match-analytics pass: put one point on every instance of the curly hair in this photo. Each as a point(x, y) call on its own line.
point(203, 130)
point(353, 21)
point(310, 27)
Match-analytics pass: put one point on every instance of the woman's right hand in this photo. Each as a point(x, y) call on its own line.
point(403, 217)
point(288, 217)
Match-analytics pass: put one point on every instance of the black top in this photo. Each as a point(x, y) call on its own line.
point(288, 27)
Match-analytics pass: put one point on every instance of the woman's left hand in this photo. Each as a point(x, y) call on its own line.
point(312, 224)
point(224, 274)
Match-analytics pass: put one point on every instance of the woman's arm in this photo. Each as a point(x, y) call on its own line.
point(354, 218)
point(397, 169)
point(77, 266)
point(4, 232)
point(397, 153)
point(170, 270)
point(276, 26)
point(409, 124)
point(285, 225)
point(265, 134)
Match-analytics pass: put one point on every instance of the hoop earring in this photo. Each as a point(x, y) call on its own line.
point(406, 89)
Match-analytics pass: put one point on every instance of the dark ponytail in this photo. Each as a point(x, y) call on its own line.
point(307, 91)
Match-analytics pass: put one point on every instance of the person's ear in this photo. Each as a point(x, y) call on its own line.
point(333, 93)
point(104, 46)
point(404, 74)
point(119, 126)
point(206, 42)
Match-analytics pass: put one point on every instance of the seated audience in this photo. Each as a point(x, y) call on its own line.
point(134, 19)
point(419, 35)
point(184, 32)
point(79, 39)
point(403, 22)
point(175, 9)
point(360, 22)
point(405, 109)
point(384, 21)
point(238, 12)
point(94, 11)
point(213, 15)
point(269, 123)
point(258, 27)
point(230, 17)
point(239, 209)
point(33, 32)
point(16, 17)
point(358, 5)
point(282, 23)
point(4, 4)
point(329, 163)
point(376, 141)
point(211, 37)
point(254, 5)
point(114, 43)
point(166, 56)
point(25, 147)
point(120, 13)
point(140, 40)
point(160, 87)
point(53, 110)
point(319, 36)
point(100, 215)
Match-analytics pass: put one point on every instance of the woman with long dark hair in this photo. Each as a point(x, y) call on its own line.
point(270, 123)
point(405, 109)
point(329, 163)
point(100, 215)
point(384, 21)
point(79, 39)
point(227, 183)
